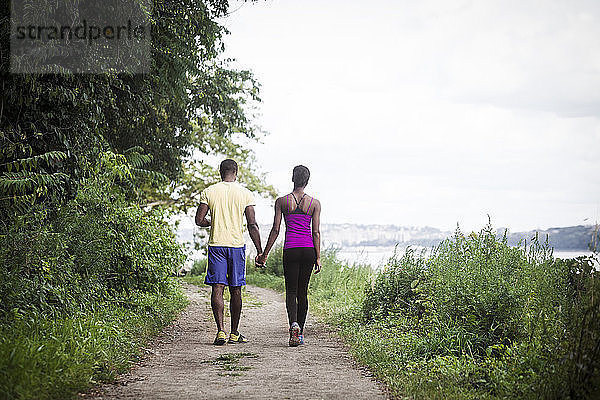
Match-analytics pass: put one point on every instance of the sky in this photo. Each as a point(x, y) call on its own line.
point(429, 113)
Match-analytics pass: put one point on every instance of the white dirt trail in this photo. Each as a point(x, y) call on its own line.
point(182, 363)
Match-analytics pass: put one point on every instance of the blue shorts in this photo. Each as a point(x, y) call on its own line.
point(226, 265)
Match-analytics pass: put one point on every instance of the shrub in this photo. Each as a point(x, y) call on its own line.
point(199, 267)
point(473, 282)
point(82, 286)
point(395, 287)
point(522, 323)
point(579, 367)
point(95, 247)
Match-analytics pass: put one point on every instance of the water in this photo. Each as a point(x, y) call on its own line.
point(571, 254)
point(377, 256)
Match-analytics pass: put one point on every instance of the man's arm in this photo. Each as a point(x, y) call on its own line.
point(253, 228)
point(201, 215)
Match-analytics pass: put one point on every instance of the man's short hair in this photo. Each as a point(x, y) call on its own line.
point(228, 167)
point(300, 176)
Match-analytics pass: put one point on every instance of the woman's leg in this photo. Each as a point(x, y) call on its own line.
point(291, 268)
point(305, 270)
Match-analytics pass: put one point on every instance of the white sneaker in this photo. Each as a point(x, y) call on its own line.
point(295, 334)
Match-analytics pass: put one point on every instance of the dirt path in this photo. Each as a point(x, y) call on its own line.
point(183, 364)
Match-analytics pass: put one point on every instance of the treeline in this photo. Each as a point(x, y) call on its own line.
point(91, 168)
point(580, 237)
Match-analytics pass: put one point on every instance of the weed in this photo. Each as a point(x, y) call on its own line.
point(228, 363)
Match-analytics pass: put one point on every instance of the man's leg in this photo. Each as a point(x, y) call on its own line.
point(217, 304)
point(216, 276)
point(235, 307)
point(236, 279)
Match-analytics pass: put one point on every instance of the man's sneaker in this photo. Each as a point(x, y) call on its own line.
point(237, 338)
point(294, 334)
point(220, 339)
point(301, 339)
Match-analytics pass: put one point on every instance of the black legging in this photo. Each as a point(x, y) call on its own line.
point(298, 263)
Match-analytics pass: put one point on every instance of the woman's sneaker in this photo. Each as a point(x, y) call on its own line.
point(294, 335)
point(301, 339)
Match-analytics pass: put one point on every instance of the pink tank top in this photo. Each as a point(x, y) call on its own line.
point(298, 231)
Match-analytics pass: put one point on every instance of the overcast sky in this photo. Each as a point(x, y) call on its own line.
point(429, 112)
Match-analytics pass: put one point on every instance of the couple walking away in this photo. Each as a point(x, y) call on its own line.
point(228, 203)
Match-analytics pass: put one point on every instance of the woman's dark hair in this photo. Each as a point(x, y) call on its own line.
point(300, 176)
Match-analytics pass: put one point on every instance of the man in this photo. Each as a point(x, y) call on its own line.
point(227, 201)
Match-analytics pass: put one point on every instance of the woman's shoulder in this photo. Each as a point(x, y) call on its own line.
point(313, 204)
point(282, 200)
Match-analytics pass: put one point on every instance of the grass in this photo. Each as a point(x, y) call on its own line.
point(54, 359)
point(267, 281)
point(473, 319)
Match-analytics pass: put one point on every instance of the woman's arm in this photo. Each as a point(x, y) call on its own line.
point(274, 231)
point(316, 234)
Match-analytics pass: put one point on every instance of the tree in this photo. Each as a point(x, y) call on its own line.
point(190, 104)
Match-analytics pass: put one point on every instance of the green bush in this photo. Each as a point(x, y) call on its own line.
point(199, 267)
point(474, 282)
point(82, 287)
point(580, 367)
point(516, 321)
point(95, 247)
point(473, 319)
point(395, 287)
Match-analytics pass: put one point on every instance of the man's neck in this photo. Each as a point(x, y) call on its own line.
point(229, 179)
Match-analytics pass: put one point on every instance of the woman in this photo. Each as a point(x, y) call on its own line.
point(301, 250)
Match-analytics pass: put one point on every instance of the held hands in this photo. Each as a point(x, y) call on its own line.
point(318, 265)
point(260, 260)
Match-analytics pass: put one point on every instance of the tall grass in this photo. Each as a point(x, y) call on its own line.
point(472, 319)
point(53, 359)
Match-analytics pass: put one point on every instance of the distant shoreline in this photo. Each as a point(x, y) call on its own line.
point(375, 243)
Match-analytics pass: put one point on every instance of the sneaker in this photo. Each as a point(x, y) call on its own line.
point(236, 338)
point(220, 339)
point(301, 339)
point(294, 334)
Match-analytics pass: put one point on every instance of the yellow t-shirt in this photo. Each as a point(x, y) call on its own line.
point(227, 202)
